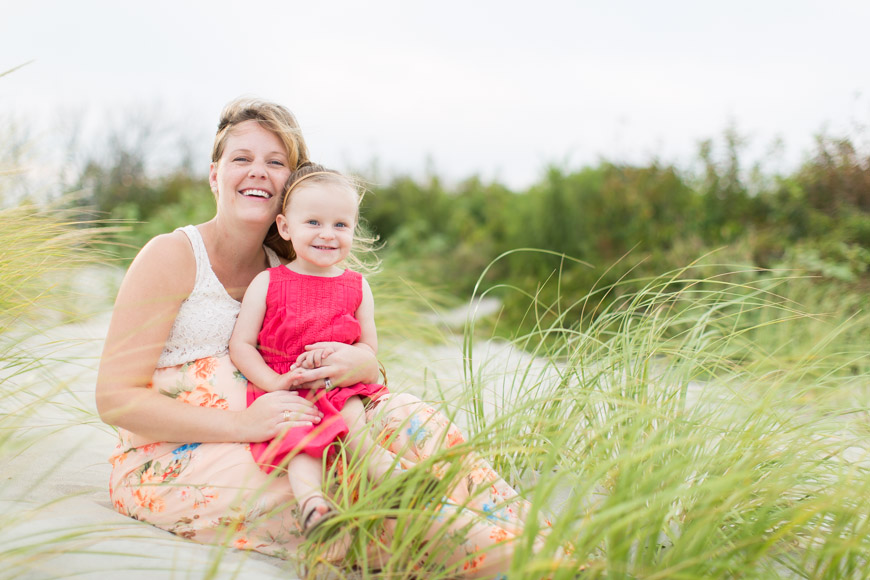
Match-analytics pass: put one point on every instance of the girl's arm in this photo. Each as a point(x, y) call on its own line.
point(243, 344)
point(157, 282)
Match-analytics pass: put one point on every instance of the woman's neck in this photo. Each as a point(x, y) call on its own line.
point(235, 252)
point(234, 242)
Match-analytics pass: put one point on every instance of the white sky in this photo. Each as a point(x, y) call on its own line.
point(495, 88)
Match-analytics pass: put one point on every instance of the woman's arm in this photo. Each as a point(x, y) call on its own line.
point(343, 364)
point(243, 344)
point(365, 314)
point(156, 284)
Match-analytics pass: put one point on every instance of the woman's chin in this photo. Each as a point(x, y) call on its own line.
point(253, 221)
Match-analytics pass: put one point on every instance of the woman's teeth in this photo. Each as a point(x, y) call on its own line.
point(257, 193)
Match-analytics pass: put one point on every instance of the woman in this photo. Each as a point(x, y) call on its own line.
point(165, 379)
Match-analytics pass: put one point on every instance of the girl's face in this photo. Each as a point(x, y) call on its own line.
point(250, 175)
point(319, 222)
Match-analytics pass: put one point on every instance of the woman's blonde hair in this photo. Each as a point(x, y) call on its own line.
point(272, 117)
point(362, 256)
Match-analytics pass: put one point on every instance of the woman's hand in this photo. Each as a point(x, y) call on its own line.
point(273, 413)
point(341, 363)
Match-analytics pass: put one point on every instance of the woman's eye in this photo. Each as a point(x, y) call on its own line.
point(240, 159)
point(277, 163)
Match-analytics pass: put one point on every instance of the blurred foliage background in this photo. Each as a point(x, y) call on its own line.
point(623, 221)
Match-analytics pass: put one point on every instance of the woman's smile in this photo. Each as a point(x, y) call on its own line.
point(256, 193)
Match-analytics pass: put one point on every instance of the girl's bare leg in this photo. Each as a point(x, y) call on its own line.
point(305, 474)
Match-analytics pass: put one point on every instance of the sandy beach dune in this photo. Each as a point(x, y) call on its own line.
point(57, 520)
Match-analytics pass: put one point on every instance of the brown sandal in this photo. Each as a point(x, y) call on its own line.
point(309, 510)
point(335, 550)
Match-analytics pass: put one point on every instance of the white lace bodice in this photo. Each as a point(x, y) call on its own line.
point(206, 318)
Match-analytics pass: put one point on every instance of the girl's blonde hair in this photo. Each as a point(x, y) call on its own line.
point(362, 256)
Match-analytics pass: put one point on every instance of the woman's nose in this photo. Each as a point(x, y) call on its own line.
point(257, 170)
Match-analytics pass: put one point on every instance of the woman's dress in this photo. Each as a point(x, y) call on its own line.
point(214, 493)
point(303, 310)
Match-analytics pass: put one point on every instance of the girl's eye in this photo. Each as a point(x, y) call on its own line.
point(312, 222)
point(341, 225)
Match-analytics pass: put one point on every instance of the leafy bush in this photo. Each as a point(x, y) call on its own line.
point(616, 221)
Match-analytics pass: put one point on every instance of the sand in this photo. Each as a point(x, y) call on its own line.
point(57, 520)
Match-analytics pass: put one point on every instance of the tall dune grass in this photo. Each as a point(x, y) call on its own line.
point(666, 438)
point(41, 247)
point(702, 427)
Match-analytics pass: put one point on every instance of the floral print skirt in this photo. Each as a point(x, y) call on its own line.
point(215, 493)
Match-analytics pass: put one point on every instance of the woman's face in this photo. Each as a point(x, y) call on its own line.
point(250, 176)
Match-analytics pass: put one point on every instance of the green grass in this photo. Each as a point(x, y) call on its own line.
point(41, 249)
point(668, 411)
point(697, 428)
point(702, 427)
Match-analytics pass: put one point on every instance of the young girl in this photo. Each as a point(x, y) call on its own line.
point(311, 299)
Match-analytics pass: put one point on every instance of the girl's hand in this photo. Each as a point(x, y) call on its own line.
point(312, 358)
point(273, 413)
point(281, 383)
point(344, 365)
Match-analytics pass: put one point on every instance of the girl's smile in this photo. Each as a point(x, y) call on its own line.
point(319, 221)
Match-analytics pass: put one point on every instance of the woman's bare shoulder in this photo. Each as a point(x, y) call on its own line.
point(172, 244)
point(166, 260)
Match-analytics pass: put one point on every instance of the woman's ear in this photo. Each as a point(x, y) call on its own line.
point(212, 178)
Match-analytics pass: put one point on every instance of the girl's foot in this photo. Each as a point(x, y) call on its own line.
point(315, 511)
